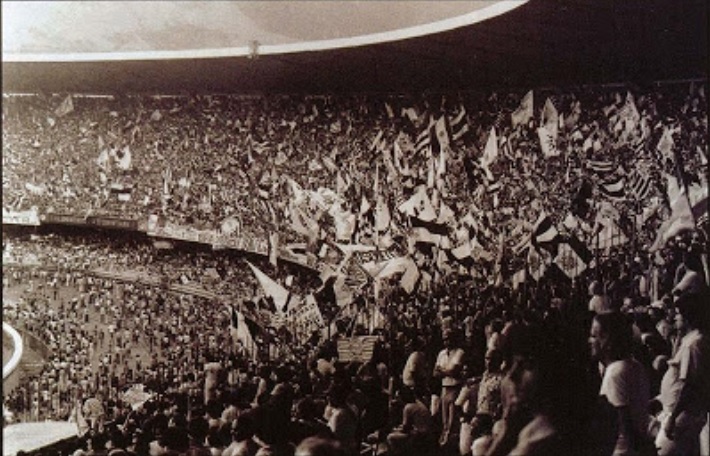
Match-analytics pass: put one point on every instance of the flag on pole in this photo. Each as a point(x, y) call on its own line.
point(459, 125)
point(274, 248)
point(490, 153)
point(124, 161)
point(66, 107)
point(550, 118)
point(665, 144)
point(524, 112)
point(639, 185)
point(613, 189)
point(240, 332)
point(601, 167)
point(548, 141)
point(537, 263)
point(271, 288)
point(544, 230)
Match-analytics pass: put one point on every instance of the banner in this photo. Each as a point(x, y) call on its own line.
point(29, 217)
point(113, 222)
point(358, 348)
point(65, 219)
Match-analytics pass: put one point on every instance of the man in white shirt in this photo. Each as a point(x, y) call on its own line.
point(448, 368)
point(685, 392)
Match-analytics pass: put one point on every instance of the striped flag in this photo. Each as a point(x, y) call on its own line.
point(423, 141)
point(459, 125)
point(613, 189)
point(640, 185)
point(601, 167)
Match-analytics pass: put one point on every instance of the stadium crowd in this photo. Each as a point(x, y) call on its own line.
point(603, 354)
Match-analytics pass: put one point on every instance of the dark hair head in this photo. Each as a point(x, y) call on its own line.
point(617, 327)
point(695, 309)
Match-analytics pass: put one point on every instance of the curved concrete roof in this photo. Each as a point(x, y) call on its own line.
point(94, 31)
point(540, 42)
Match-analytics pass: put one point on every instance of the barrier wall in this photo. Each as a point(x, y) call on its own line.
point(10, 372)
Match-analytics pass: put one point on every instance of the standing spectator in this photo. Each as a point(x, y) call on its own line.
point(449, 366)
point(685, 390)
point(625, 382)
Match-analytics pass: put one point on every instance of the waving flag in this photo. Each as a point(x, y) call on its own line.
point(459, 125)
point(665, 144)
point(490, 153)
point(601, 167)
point(548, 141)
point(544, 230)
point(66, 107)
point(569, 261)
point(124, 161)
point(613, 189)
point(524, 112)
point(640, 185)
point(537, 262)
point(271, 288)
point(442, 135)
point(550, 118)
point(240, 332)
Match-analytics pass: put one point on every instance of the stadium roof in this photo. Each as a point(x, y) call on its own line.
point(358, 46)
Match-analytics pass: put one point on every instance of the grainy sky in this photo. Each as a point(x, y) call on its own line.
point(106, 26)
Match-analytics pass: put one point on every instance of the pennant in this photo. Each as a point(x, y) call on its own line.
point(524, 112)
point(382, 214)
point(490, 153)
point(124, 162)
point(390, 112)
point(628, 115)
point(66, 107)
point(550, 118)
point(271, 288)
point(441, 134)
point(548, 142)
point(364, 206)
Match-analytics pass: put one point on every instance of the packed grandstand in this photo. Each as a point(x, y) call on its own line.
point(477, 272)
